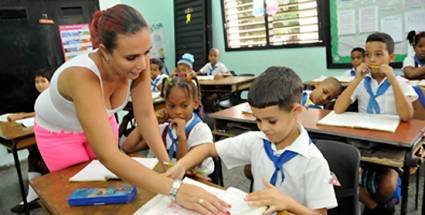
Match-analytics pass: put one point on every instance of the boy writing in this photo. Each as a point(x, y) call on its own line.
point(378, 91)
point(324, 92)
point(289, 171)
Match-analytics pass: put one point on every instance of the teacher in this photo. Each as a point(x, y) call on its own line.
point(75, 116)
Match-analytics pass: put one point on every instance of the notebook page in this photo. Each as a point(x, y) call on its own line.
point(162, 205)
point(205, 77)
point(381, 122)
point(27, 122)
point(96, 171)
point(347, 119)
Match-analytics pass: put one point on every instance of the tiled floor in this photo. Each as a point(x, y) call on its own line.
point(9, 188)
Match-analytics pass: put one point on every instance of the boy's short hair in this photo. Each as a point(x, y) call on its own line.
point(157, 62)
point(44, 72)
point(333, 81)
point(279, 86)
point(358, 49)
point(384, 38)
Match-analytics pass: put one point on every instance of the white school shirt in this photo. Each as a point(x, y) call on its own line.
point(219, 67)
point(387, 100)
point(307, 175)
point(347, 73)
point(409, 61)
point(308, 101)
point(158, 80)
point(200, 134)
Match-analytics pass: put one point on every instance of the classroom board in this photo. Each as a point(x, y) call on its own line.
point(351, 21)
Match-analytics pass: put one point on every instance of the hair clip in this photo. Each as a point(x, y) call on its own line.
point(167, 80)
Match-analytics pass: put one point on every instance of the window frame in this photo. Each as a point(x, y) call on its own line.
point(322, 23)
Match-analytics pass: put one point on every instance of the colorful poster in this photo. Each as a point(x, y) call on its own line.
point(75, 40)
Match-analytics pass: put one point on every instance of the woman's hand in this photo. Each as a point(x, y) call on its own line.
point(198, 199)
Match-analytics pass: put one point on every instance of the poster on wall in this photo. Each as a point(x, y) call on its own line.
point(158, 42)
point(75, 40)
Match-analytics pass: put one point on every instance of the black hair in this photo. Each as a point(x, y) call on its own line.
point(45, 73)
point(189, 84)
point(414, 37)
point(384, 38)
point(358, 49)
point(157, 62)
point(279, 86)
point(333, 81)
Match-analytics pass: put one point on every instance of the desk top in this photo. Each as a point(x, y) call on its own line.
point(231, 80)
point(54, 189)
point(406, 135)
point(13, 130)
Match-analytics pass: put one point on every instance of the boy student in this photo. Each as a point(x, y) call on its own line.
point(378, 91)
point(324, 92)
point(214, 67)
point(357, 58)
point(289, 171)
point(156, 74)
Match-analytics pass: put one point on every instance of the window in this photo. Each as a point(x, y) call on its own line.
point(253, 24)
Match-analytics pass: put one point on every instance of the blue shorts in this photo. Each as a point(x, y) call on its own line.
point(370, 181)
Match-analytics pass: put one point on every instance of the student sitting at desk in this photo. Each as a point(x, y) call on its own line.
point(36, 165)
point(413, 66)
point(289, 171)
point(214, 67)
point(185, 66)
point(357, 57)
point(324, 92)
point(156, 74)
point(184, 129)
point(379, 91)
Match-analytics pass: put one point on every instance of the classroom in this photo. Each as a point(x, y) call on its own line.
point(212, 107)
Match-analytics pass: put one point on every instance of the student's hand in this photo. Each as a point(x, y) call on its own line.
point(198, 199)
point(176, 172)
point(362, 70)
point(388, 71)
point(270, 197)
point(14, 117)
point(179, 125)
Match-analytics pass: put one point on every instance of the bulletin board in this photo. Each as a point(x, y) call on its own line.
point(351, 21)
point(75, 40)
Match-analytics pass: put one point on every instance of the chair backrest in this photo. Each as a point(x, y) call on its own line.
point(344, 162)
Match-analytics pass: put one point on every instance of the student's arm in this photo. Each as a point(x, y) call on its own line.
point(85, 92)
point(272, 198)
point(194, 157)
point(403, 105)
point(182, 148)
point(411, 72)
point(134, 142)
point(145, 115)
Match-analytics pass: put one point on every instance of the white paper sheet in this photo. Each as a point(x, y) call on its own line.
point(414, 20)
point(368, 19)
point(392, 25)
point(346, 22)
point(27, 122)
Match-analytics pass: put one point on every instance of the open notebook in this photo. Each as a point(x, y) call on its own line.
point(162, 204)
point(96, 171)
point(379, 122)
point(205, 77)
point(27, 122)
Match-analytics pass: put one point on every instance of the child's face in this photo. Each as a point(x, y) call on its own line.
point(420, 48)
point(41, 83)
point(183, 68)
point(179, 104)
point(377, 55)
point(356, 58)
point(276, 123)
point(323, 93)
point(213, 57)
point(154, 70)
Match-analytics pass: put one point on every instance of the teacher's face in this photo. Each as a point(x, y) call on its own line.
point(131, 56)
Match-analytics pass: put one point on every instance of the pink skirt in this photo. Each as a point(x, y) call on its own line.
point(63, 149)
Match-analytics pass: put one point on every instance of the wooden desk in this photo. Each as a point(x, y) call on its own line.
point(398, 146)
point(231, 84)
point(16, 137)
point(54, 189)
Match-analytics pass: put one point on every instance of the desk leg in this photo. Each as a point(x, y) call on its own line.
point(405, 182)
point(21, 182)
point(125, 120)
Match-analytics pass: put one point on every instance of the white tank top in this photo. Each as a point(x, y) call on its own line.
point(56, 113)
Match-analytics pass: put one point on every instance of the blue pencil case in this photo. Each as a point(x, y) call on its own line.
point(102, 196)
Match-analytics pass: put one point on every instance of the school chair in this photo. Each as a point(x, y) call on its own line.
point(217, 175)
point(344, 162)
point(235, 98)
